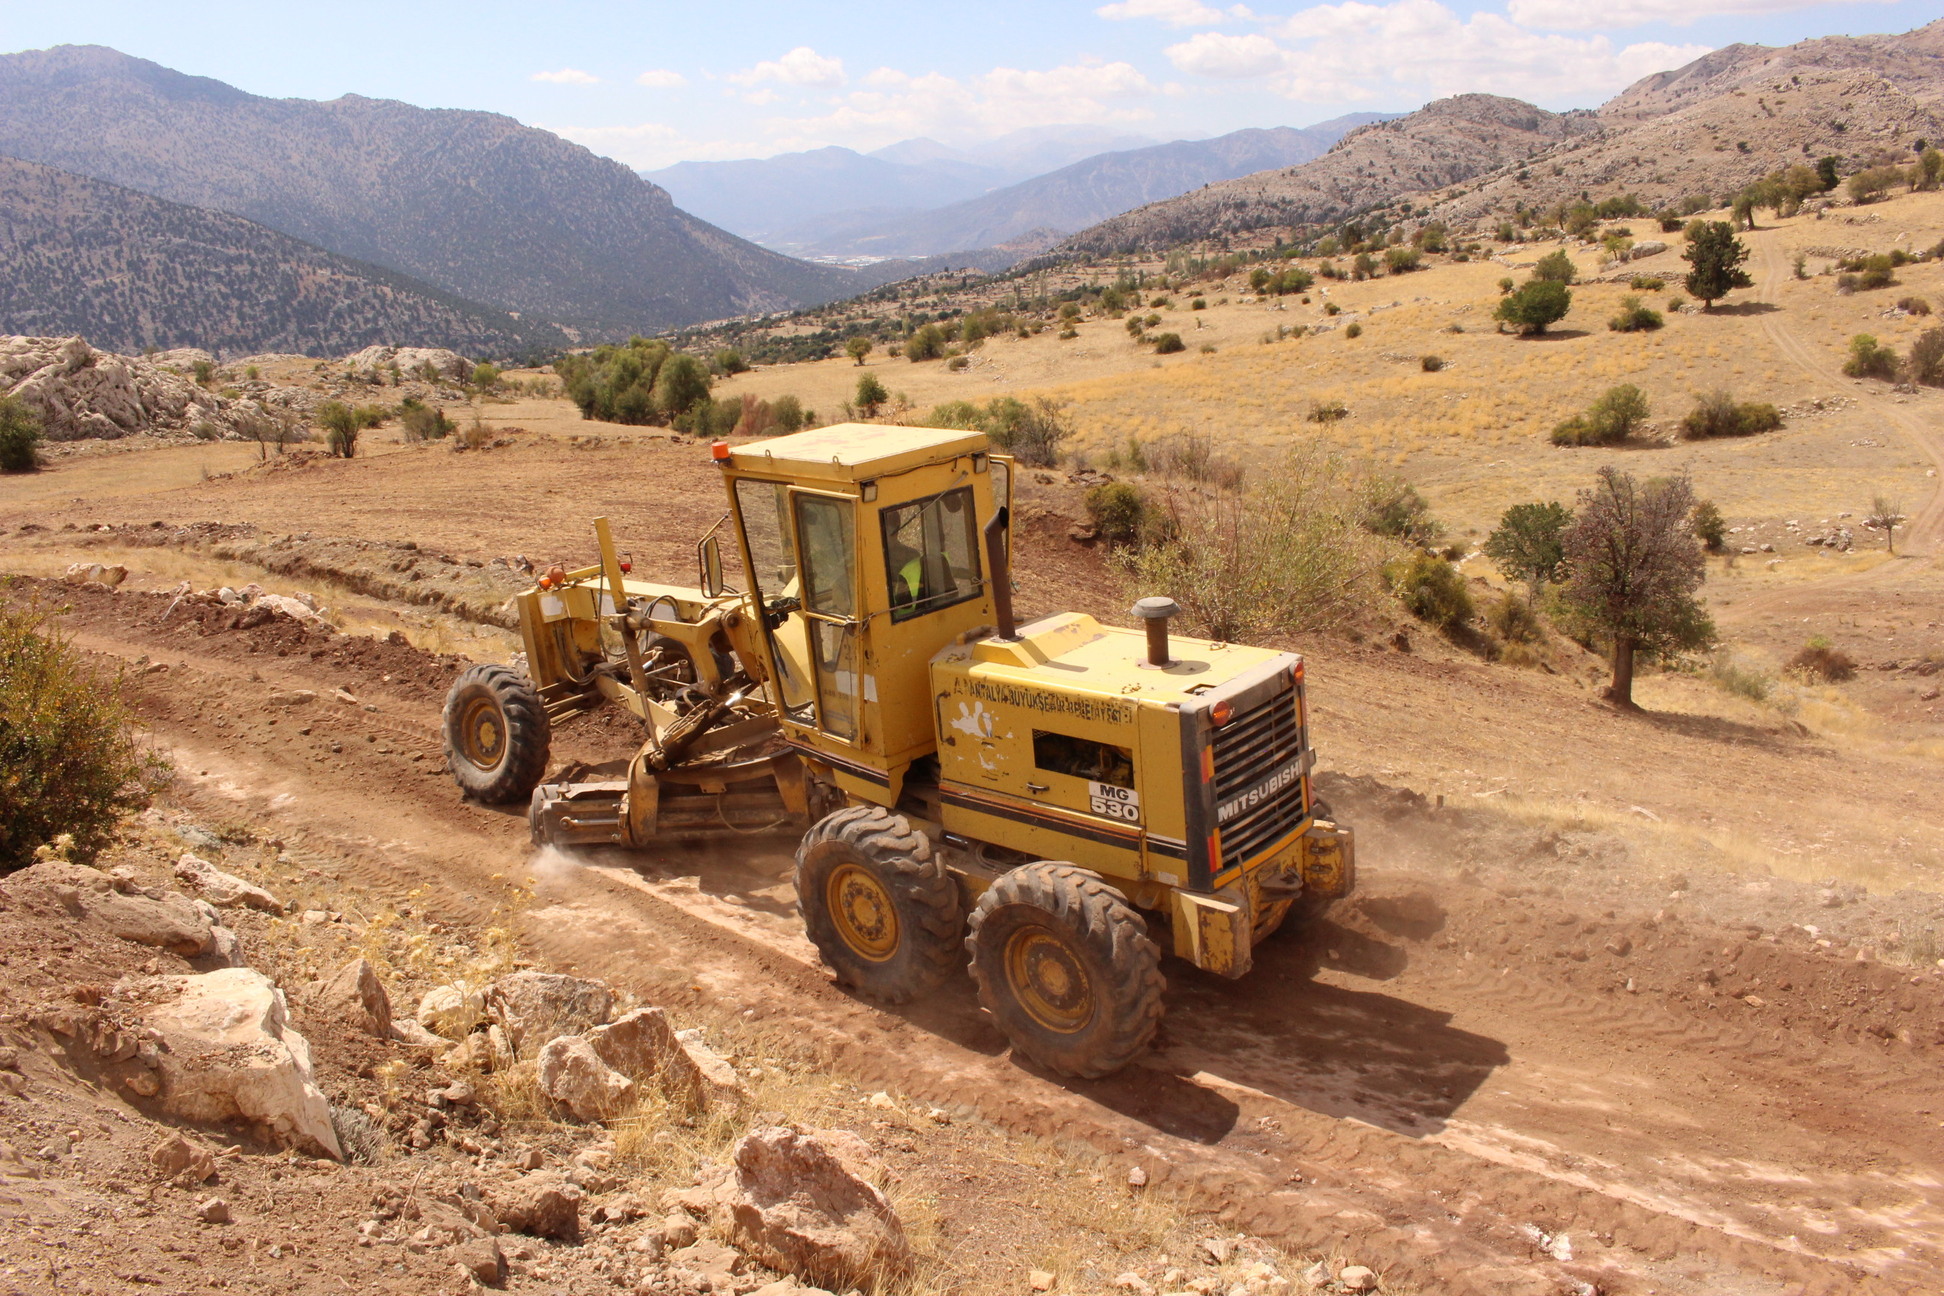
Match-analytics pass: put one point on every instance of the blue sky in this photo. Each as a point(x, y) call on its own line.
point(654, 83)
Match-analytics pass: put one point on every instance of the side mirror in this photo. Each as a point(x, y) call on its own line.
point(710, 554)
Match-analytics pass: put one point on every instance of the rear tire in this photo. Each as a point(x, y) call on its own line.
point(1067, 968)
point(497, 735)
point(878, 904)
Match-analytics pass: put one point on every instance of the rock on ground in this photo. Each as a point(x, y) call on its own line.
point(540, 1204)
point(147, 917)
point(224, 890)
point(229, 1054)
point(801, 1210)
point(534, 1007)
point(598, 1073)
point(357, 997)
point(451, 1011)
point(369, 363)
point(574, 1075)
point(81, 392)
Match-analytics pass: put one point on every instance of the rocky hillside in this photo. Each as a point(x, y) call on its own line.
point(1443, 143)
point(1072, 197)
point(1730, 117)
point(80, 256)
point(473, 202)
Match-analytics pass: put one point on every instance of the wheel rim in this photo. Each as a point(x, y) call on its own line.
point(1049, 980)
point(482, 733)
point(863, 910)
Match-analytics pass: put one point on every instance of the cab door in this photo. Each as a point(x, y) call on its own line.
point(826, 536)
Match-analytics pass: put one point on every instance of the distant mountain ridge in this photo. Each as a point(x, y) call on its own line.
point(473, 202)
point(129, 272)
point(1074, 196)
point(1445, 141)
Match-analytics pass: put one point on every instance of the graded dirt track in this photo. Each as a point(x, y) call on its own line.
point(1511, 1065)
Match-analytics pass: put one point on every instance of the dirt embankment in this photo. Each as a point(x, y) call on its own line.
point(1524, 1059)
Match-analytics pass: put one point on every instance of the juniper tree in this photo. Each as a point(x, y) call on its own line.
point(1716, 255)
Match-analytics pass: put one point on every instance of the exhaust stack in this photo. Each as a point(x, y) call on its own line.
point(1156, 611)
point(995, 544)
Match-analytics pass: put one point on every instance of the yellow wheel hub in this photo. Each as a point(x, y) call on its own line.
point(865, 915)
point(482, 734)
point(1049, 980)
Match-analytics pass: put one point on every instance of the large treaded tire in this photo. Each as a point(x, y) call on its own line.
point(497, 735)
point(878, 904)
point(1067, 968)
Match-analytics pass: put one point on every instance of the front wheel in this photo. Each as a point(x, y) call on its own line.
point(1067, 968)
point(496, 735)
point(878, 904)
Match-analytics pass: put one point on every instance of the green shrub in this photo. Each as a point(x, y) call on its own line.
point(1646, 283)
point(1403, 260)
point(1742, 681)
point(1514, 620)
point(1168, 343)
point(20, 435)
point(1556, 267)
point(1431, 363)
point(1119, 511)
point(870, 394)
point(1872, 183)
point(72, 764)
point(1328, 411)
point(730, 361)
point(1331, 308)
point(788, 414)
point(1913, 306)
point(341, 427)
point(422, 422)
point(639, 382)
point(1635, 317)
point(1717, 414)
point(1611, 419)
point(1926, 362)
point(1869, 360)
point(1353, 329)
point(486, 376)
point(1391, 506)
point(1431, 589)
point(205, 372)
point(1709, 526)
point(1199, 303)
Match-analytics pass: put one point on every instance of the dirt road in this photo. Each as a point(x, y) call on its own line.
point(1496, 1079)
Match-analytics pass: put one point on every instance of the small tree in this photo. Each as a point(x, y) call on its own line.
point(1885, 515)
point(1527, 546)
point(341, 427)
point(1716, 256)
point(1556, 267)
point(1532, 307)
point(73, 764)
point(858, 347)
point(1635, 317)
point(1710, 528)
point(20, 436)
point(1635, 566)
point(1925, 363)
point(680, 384)
point(486, 376)
point(1826, 173)
point(730, 361)
point(870, 394)
point(928, 343)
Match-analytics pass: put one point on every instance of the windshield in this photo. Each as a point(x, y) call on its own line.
point(931, 553)
point(766, 522)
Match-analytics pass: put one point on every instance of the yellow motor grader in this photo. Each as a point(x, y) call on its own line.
point(1065, 801)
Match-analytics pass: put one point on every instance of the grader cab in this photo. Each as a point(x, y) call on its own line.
point(1065, 801)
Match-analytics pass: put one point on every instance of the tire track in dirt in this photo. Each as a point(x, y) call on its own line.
point(1377, 1096)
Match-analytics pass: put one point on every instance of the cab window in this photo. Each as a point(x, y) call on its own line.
point(1083, 758)
point(931, 553)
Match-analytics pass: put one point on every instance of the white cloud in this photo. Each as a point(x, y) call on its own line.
point(1575, 15)
point(802, 66)
point(896, 105)
point(661, 79)
point(1358, 52)
point(1176, 13)
point(568, 76)
point(1212, 54)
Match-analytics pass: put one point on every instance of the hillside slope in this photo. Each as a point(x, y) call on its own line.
point(473, 202)
point(1442, 143)
point(1072, 197)
point(128, 271)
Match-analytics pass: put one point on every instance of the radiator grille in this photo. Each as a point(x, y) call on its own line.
point(1258, 777)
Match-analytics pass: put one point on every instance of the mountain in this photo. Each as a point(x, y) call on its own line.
point(1070, 198)
point(473, 202)
point(1731, 117)
point(130, 272)
point(1016, 155)
point(758, 198)
point(1442, 143)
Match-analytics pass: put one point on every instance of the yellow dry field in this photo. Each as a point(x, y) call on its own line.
point(1474, 436)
